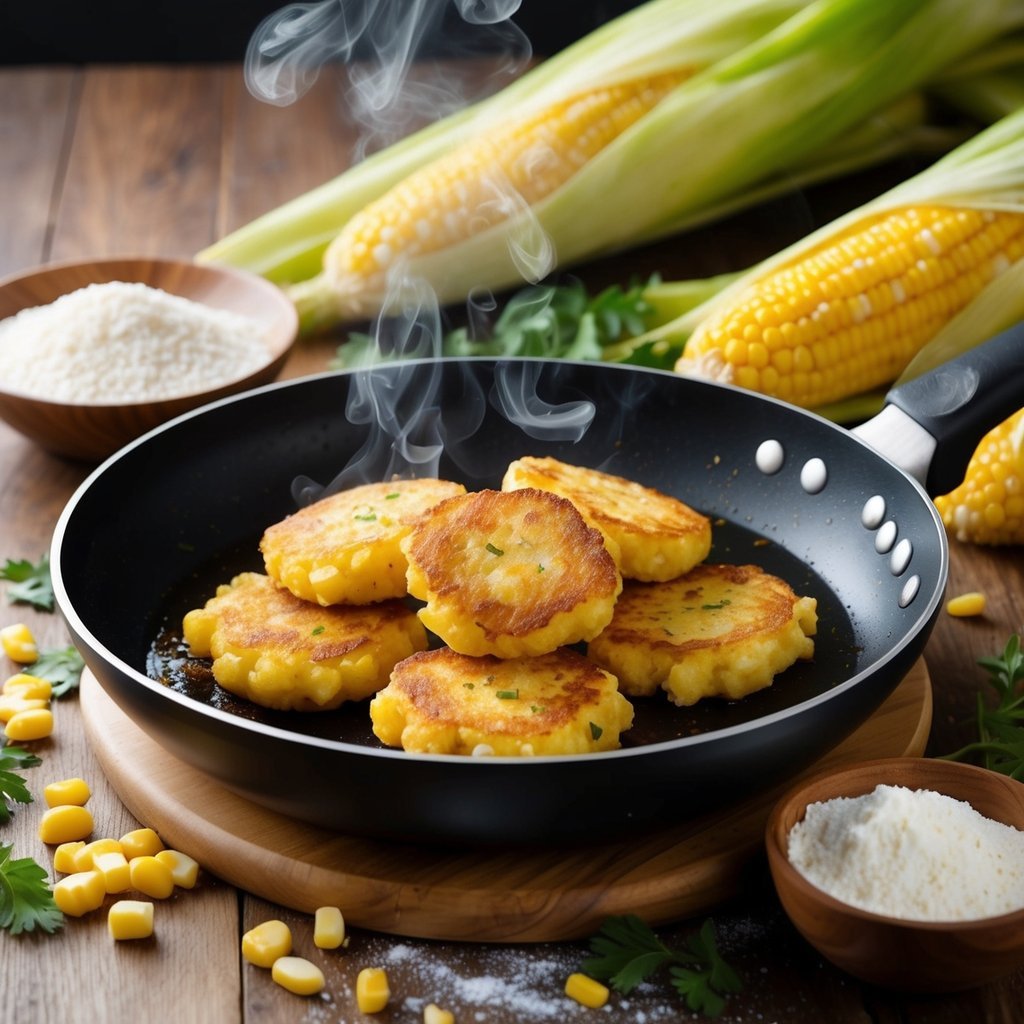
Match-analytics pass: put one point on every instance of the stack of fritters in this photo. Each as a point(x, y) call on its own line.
point(513, 583)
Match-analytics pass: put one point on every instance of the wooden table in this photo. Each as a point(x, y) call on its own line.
point(102, 161)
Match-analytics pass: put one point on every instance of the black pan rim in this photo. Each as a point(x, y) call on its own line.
point(78, 628)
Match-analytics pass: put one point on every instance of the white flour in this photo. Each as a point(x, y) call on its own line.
point(121, 342)
point(912, 854)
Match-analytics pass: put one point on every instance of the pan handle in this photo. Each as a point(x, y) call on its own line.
point(931, 425)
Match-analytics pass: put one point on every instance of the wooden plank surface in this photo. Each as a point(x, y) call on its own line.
point(162, 160)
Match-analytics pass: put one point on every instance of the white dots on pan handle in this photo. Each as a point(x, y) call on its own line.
point(770, 457)
point(909, 591)
point(901, 555)
point(873, 514)
point(813, 476)
point(886, 537)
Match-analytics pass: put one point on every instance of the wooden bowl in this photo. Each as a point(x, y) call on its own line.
point(92, 431)
point(909, 956)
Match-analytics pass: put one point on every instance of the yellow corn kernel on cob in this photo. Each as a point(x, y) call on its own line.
point(488, 179)
point(850, 314)
point(988, 507)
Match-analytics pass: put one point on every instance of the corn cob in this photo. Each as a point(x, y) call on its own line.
point(785, 84)
point(851, 313)
point(885, 292)
point(988, 507)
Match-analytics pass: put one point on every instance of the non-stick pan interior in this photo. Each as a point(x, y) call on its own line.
point(161, 523)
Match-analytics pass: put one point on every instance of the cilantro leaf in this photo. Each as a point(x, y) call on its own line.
point(12, 785)
point(30, 584)
point(62, 666)
point(1000, 744)
point(628, 952)
point(26, 900)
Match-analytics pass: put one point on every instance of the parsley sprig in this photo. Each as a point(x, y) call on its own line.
point(548, 321)
point(62, 666)
point(627, 952)
point(26, 900)
point(12, 785)
point(30, 584)
point(1000, 744)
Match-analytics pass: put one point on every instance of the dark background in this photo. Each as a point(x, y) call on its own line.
point(79, 31)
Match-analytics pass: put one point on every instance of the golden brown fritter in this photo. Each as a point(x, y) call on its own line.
point(510, 573)
point(720, 630)
point(659, 537)
point(345, 549)
point(279, 651)
point(441, 702)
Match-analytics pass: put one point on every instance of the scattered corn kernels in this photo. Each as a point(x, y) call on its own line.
point(297, 975)
point(963, 605)
point(266, 943)
point(79, 893)
point(64, 824)
point(24, 685)
point(85, 857)
point(130, 919)
point(184, 870)
point(141, 842)
point(115, 869)
point(328, 928)
point(151, 877)
point(433, 1014)
point(19, 644)
point(14, 703)
point(32, 724)
point(67, 791)
point(372, 992)
point(586, 991)
point(64, 857)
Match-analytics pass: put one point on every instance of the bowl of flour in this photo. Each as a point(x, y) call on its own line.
point(907, 873)
point(92, 355)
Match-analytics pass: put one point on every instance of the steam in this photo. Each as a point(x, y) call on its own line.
point(378, 42)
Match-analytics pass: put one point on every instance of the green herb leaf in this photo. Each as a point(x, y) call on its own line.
point(595, 731)
point(627, 952)
point(12, 785)
point(493, 550)
point(507, 694)
point(1000, 744)
point(317, 630)
point(30, 584)
point(26, 900)
point(62, 666)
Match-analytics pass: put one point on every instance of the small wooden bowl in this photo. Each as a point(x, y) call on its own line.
point(909, 956)
point(92, 431)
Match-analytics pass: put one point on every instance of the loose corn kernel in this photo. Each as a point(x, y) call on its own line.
point(266, 943)
point(79, 893)
point(85, 857)
point(32, 724)
point(64, 857)
point(297, 975)
point(14, 703)
point(67, 791)
point(433, 1014)
point(115, 869)
point(962, 605)
point(151, 877)
point(28, 686)
point(130, 919)
point(328, 928)
point(184, 870)
point(64, 824)
point(586, 991)
point(141, 842)
point(19, 644)
point(372, 992)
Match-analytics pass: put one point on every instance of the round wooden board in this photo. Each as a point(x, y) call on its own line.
point(483, 896)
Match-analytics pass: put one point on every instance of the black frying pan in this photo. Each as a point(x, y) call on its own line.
point(155, 528)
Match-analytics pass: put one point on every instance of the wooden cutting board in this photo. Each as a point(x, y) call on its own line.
point(481, 896)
